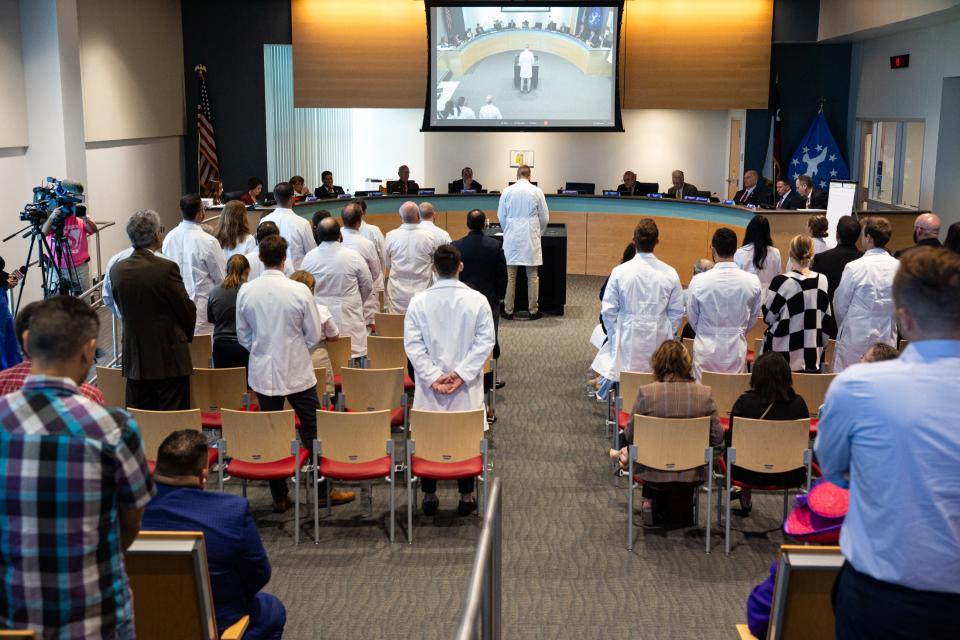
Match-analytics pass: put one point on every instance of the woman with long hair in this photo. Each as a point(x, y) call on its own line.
point(819, 229)
point(331, 332)
point(222, 313)
point(758, 255)
point(796, 309)
point(770, 397)
point(234, 234)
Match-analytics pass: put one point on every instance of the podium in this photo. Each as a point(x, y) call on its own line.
point(553, 271)
point(534, 81)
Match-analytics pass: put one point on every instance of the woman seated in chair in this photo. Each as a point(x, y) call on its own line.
point(770, 397)
point(675, 394)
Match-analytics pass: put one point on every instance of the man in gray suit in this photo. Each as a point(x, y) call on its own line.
point(680, 188)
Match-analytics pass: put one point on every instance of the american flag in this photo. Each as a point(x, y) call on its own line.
point(208, 167)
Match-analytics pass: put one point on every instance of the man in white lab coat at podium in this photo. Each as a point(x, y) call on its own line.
point(526, 61)
point(448, 335)
point(523, 216)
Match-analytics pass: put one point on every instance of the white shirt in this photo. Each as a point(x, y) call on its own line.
point(440, 236)
point(201, 262)
point(296, 231)
point(343, 284)
point(278, 322)
point(245, 246)
point(724, 306)
point(863, 307)
point(819, 245)
point(466, 113)
point(448, 328)
point(490, 112)
point(523, 215)
point(408, 251)
point(353, 239)
point(642, 307)
point(526, 61)
point(328, 327)
point(372, 233)
point(770, 267)
point(107, 294)
point(257, 268)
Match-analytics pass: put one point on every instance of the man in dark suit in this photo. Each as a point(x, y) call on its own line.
point(327, 189)
point(466, 181)
point(158, 321)
point(787, 198)
point(812, 198)
point(238, 563)
point(754, 191)
point(926, 233)
point(832, 261)
point(404, 185)
point(680, 188)
point(630, 186)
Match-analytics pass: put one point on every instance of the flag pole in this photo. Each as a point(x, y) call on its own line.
point(200, 70)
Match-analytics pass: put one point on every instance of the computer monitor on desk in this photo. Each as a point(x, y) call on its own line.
point(583, 188)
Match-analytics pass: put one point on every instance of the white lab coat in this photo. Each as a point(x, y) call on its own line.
point(107, 294)
point(526, 61)
point(771, 264)
point(523, 216)
point(343, 284)
point(257, 268)
point(490, 112)
point(724, 306)
point(245, 246)
point(353, 239)
point(278, 323)
point(201, 263)
point(642, 307)
point(863, 307)
point(408, 251)
point(466, 113)
point(440, 236)
point(296, 231)
point(372, 233)
point(448, 327)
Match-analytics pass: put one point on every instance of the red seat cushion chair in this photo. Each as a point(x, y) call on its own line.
point(469, 468)
point(355, 471)
point(276, 470)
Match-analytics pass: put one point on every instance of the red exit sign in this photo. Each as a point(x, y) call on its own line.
point(900, 62)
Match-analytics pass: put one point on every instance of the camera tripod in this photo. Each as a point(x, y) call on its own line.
point(56, 279)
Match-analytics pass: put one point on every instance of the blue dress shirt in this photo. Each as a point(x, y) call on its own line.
point(893, 429)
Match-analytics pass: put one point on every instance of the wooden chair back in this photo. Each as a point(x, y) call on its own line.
point(903, 345)
point(386, 353)
point(447, 436)
point(215, 389)
point(340, 352)
point(155, 426)
point(321, 375)
point(726, 388)
point(812, 387)
point(113, 386)
point(688, 345)
point(18, 634)
point(756, 333)
point(757, 347)
point(359, 436)
point(171, 586)
point(671, 444)
point(372, 389)
point(630, 383)
point(770, 446)
point(258, 436)
point(828, 351)
point(201, 351)
point(389, 325)
point(802, 606)
point(488, 364)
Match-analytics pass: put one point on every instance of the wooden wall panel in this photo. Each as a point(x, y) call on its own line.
point(359, 53)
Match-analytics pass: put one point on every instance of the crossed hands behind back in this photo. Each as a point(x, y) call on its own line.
point(448, 383)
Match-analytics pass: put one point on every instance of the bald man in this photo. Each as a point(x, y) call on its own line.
point(680, 188)
point(754, 191)
point(926, 232)
point(440, 236)
point(630, 186)
point(408, 252)
point(403, 184)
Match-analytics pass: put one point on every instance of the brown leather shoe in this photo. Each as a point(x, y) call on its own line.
point(338, 497)
point(279, 506)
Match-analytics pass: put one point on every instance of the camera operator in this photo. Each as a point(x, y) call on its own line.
point(74, 264)
point(9, 344)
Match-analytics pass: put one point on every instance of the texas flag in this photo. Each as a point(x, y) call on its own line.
point(818, 156)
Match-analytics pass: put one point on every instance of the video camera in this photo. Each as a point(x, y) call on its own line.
point(58, 197)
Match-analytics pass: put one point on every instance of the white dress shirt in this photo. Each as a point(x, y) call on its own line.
point(353, 239)
point(724, 306)
point(107, 290)
point(408, 250)
point(278, 323)
point(245, 246)
point(863, 307)
point(448, 328)
point(296, 231)
point(257, 268)
point(440, 236)
point(343, 284)
point(202, 265)
point(523, 216)
point(642, 307)
point(767, 271)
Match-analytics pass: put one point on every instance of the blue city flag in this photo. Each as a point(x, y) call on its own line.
point(818, 156)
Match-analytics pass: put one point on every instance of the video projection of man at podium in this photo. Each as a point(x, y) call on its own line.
point(526, 61)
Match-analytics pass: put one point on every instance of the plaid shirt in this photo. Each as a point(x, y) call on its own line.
point(12, 379)
point(66, 465)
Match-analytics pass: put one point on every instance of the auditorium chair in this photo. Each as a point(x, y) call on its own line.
point(646, 188)
point(388, 353)
point(801, 606)
point(201, 351)
point(688, 345)
point(903, 345)
point(215, 389)
point(264, 445)
point(376, 390)
point(446, 445)
point(670, 444)
point(113, 386)
point(11, 634)
point(766, 446)
point(828, 350)
point(725, 388)
point(170, 582)
point(320, 373)
point(812, 387)
point(389, 325)
point(627, 390)
point(340, 352)
point(490, 366)
point(755, 332)
point(583, 188)
point(354, 447)
point(155, 426)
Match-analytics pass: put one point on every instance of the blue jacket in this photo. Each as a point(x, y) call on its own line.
point(238, 563)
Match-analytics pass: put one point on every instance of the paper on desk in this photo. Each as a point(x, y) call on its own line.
point(597, 337)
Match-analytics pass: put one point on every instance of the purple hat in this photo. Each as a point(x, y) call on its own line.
point(818, 516)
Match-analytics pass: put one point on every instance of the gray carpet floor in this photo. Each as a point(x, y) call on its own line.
point(566, 570)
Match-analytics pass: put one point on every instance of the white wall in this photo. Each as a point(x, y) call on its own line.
point(946, 197)
point(384, 139)
point(840, 18)
point(13, 106)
